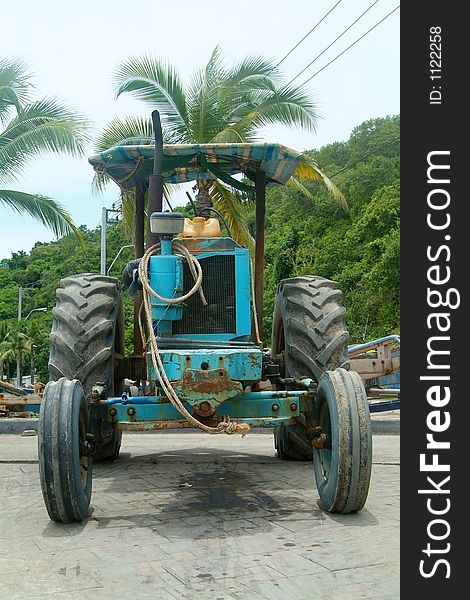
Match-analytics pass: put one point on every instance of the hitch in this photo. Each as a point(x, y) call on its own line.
point(88, 446)
point(317, 438)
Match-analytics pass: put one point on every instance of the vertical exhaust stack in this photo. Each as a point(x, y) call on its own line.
point(155, 195)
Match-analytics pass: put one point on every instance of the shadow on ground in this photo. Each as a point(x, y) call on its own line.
point(195, 493)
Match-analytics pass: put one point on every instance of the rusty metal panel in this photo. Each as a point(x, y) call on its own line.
point(241, 364)
point(205, 390)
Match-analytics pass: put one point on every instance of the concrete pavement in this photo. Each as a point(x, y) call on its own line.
point(192, 516)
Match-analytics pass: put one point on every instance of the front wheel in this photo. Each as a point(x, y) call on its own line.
point(342, 456)
point(65, 463)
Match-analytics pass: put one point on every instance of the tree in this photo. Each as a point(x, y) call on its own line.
point(7, 355)
point(28, 129)
point(17, 343)
point(221, 105)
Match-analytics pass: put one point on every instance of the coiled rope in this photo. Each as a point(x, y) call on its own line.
point(226, 426)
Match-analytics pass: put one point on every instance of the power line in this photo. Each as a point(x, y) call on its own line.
point(306, 36)
point(31, 285)
point(351, 165)
point(333, 42)
point(353, 44)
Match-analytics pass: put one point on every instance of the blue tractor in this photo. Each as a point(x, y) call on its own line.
point(199, 360)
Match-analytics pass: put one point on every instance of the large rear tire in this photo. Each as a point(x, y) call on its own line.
point(309, 337)
point(87, 343)
point(343, 465)
point(65, 465)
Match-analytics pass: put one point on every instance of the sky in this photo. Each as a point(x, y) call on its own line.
point(73, 49)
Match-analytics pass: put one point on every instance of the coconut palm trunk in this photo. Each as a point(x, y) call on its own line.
point(203, 200)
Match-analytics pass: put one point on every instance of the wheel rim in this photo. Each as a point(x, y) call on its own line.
point(324, 454)
point(281, 350)
point(83, 455)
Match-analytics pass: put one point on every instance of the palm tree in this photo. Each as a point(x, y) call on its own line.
point(29, 128)
point(16, 343)
point(220, 105)
point(7, 355)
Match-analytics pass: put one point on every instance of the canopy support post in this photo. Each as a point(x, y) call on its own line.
point(138, 253)
point(259, 248)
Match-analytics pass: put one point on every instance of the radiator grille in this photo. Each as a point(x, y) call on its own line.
point(219, 316)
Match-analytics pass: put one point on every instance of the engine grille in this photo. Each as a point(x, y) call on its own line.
point(219, 316)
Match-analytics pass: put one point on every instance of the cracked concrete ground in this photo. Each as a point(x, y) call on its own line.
point(192, 516)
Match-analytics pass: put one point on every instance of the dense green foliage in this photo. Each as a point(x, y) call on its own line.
point(40, 271)
point(358, 248)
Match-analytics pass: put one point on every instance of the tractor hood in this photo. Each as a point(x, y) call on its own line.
point(130, 166)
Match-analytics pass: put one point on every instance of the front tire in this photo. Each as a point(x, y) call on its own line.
point(65, 463)
point(343, 465)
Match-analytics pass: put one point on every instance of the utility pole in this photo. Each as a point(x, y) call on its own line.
point(33, 364)
point(20, 302)
point(105, 221)
point(18, 357)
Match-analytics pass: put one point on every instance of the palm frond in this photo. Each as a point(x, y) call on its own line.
point(99, 183)
point(158, 84)
point(252, 67)
point(15, 86)
point(230, 135)
point(308, 169)
point(120, 132)
point(129, 130)
point(226, 203)
point(290, 106)
point(45, 210)
point(42, 126)
point(260, 104)
point(8, 97)
point(254, 73)
point(127, 206)
point(7, 353)
point(296, 184)
point(239, 131)
point(205, 99)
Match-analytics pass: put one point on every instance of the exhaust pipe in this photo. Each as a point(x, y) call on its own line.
point(155, 195)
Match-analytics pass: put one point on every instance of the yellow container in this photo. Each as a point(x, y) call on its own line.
point(200, 227)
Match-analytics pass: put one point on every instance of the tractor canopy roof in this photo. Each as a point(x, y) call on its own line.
point(131, 165)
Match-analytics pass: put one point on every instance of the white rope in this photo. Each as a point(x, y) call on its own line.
point(225, 426)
